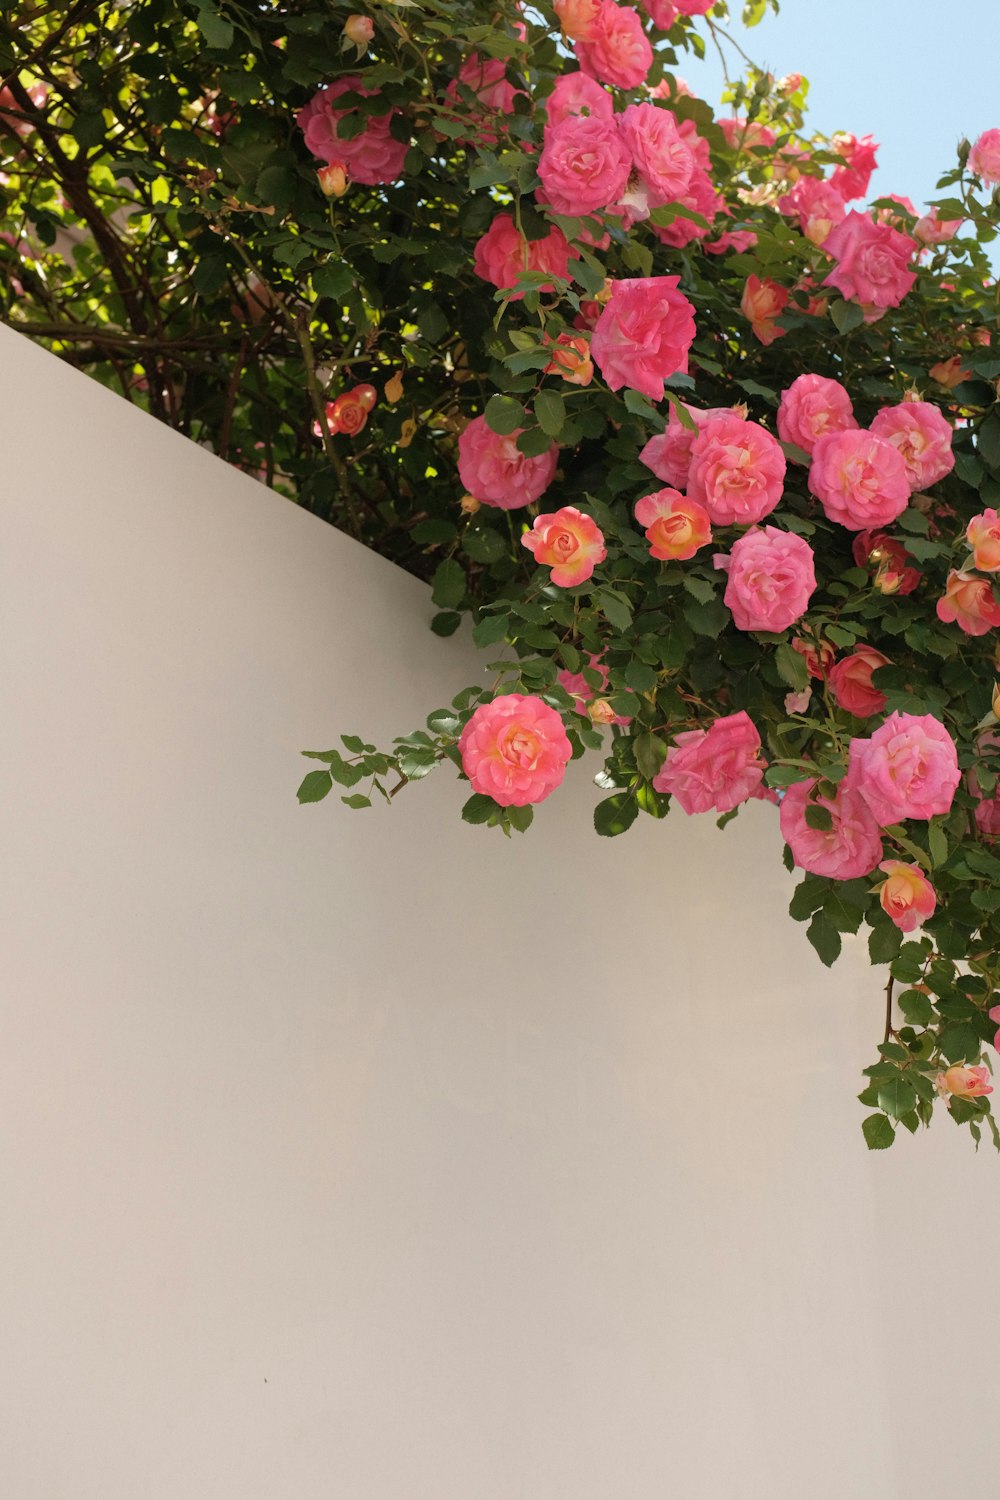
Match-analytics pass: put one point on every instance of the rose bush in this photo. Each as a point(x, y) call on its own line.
point(707, 447)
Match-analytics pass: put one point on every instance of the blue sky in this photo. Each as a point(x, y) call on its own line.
point(914, 74)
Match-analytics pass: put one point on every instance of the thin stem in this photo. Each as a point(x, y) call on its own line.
point(888, 1011)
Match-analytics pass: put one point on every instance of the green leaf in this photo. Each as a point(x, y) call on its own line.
point(550, 412)
point(448, 584)
point(504, 415)
point(480, 809)
point(884, 943)
point(878, 1132)
point(916, 1007)
point(356, 799)
point(615, 814)
point(650, 753)
point(217, 31)
point(615, 606)
point(333, 279)
point(315, 786)
point(89, 129)
point(519, 818)
point(988, 441)
point(825, 938)
point(937, 842)
point(896, 1097)
point(483, 544)
point(490, 630)
point(706, 619)
point(846, 316)
point(791, 665)
point(446, 623)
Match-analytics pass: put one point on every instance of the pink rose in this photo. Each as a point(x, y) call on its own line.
point(922, 436)
point(984, 158)
point(969, 603)
point(644, 334)
point(694, 7)
point(576, 17)
point(660, 155)
point(577, 94)
point(662, 13)
point(873, 262)
point(737, 471)
point(701, 198)
point(818, 656)
point(487, 78)
point(372, 157)
point(933, 230)
point(964, 1082)
point(569, 543)
point(851, 682)
point(668, 454)
point(584, 165)
point(852, 179)
point(907, 896)
point(811, 406)
point(676, 526)
point(762, 302)
point(502, 253)
point(851, 847)
point(745, 135)
point(983, 536)
point(617, 50)
point(514, 750)
point(818, 206)
point(771, 579)
point(494, 470)
point(718, 767)
point(736, 240)
point(907, 769)
point(860, 480)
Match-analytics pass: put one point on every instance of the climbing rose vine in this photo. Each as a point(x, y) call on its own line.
point(701, 432)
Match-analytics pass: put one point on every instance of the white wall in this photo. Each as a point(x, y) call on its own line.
point(372, 1156)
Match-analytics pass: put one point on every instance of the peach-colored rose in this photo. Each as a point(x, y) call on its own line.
point(571, 359)
point(851, 682)
point(515, 750)
point(949, 372)
point(358, 32)
point(737, 470)
point(576, 17)
point(965, 1082)
point(584, 165)
point(576, 93)
point(852, 179)
point(675, 526)
point(661, 157)
point(873, 262)
point(811, 406)
point(771, 579)
point(494, 469)
point(907, 769)
point(617, 50)
point(859, 479)
point(502, 253)
point(907, 896)
point(818, 206)
point(849, 848)
point(969, 603)
point(983, 536)
point(717, 768)
point(668, 454)
point(762, 302)
point(332, 179)
point(349, 412)
point(644, 334)
point(984, 158)
point(922, 436)
point(569, 543)
point(372, 157)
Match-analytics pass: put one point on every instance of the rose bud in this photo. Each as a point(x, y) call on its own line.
point(332, 179)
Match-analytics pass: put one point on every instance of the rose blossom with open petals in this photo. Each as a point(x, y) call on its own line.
point(502, 253)
point(737, 470)
point(584, 164)
point(983, 536)
point(515, 750)
point(907, 896)
point(922, 436)
point(852, 179)
point(570, 358)
point(969, 603)
point(762, 302)
point(576, 17)
point(496, 472)
point(811, 406)
point(372, 157)
point(860, 479)
point(964, 1082)
point(644, 334)
point(984, 158)
point(661, 157)
point(569, 543)
point(617, 50)
point(818, 206)
point(715, 768)
point(668, 453)
point(851, 682)
point(873, 262)
point(577, 93)
point(849, 848)
point(907, 769)
point(771, 579)
point(933, 230)
point(676, 526)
